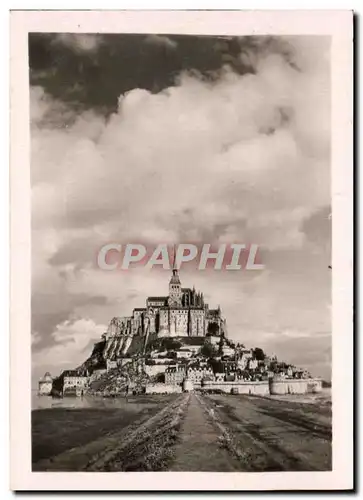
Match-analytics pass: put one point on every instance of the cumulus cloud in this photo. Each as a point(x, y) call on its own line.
point(161, 40)
point(242, 158)
point(70, 341)
point(79, 42)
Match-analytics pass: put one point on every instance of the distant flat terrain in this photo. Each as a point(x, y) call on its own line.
point(275, 435)
point(187, 432)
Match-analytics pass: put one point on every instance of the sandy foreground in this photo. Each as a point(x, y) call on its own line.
point(187, 432)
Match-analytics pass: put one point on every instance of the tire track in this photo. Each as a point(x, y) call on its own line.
point(201, 447)
point(256, 449)
point(291, 418)
point(149, 446)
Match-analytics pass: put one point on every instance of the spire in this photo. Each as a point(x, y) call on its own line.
point(175, 276)
point(175, 270)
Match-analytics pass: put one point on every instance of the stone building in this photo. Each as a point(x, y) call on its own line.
point(219, 377)
point(184, 353)
point(182, 313)
point(197, 373)
point(45, 385)
point(227, 350)
point(75, 383)
point(174, 375)
point(111, 365)
point(252, 364)
point(214, 339)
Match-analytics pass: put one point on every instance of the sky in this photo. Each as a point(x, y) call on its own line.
point(180, 139)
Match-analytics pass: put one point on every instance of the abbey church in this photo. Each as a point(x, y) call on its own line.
point(183, 313)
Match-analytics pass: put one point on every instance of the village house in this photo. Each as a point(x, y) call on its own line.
point(213, 339)
point(74, 382)
point(174, 375)
point(197, 373)
point(243, 356)
point(184, 353)
point(155, 369)
point(229, 365)
point(242, 362)
point(261, 367)
point(110, 365)
point(160, 361)
point(244, 352)
point(252, 364)
point(159, 354)
point(227, 350)
point(208, 378)
point(302, 373)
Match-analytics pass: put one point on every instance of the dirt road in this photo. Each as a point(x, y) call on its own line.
point(201, 446)
point(195, 432)
point(270, 435)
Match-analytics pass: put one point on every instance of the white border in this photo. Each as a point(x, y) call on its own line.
point(338, 24)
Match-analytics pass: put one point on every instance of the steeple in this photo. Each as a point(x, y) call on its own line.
point(175, 292)
point(175, 274)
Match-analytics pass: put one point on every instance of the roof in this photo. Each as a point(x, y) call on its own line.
point(70, 373)
point(47, 377)
point(157, 299)
point(177, 308)
point(194, 340)
point(198, 367)
point(174, 369)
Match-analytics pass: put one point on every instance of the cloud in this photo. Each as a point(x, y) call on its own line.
point(71, 339)
point(244, 158)
point(184, 130)
point(81, 42)
point(161, 40)
point(36, 338)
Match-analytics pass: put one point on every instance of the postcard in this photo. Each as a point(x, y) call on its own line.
point(181, 250)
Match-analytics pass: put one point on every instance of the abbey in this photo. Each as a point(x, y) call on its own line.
point(180, 314)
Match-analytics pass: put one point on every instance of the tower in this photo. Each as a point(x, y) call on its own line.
point(175, 291)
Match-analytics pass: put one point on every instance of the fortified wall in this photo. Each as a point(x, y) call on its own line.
point(263, 388)
point(239, 387)
point(162, 389)
point(295, 386)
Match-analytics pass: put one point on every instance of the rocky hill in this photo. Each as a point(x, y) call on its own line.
point(147, 358)
point(119, 380)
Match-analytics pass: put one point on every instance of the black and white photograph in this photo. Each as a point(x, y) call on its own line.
point(181, 217)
